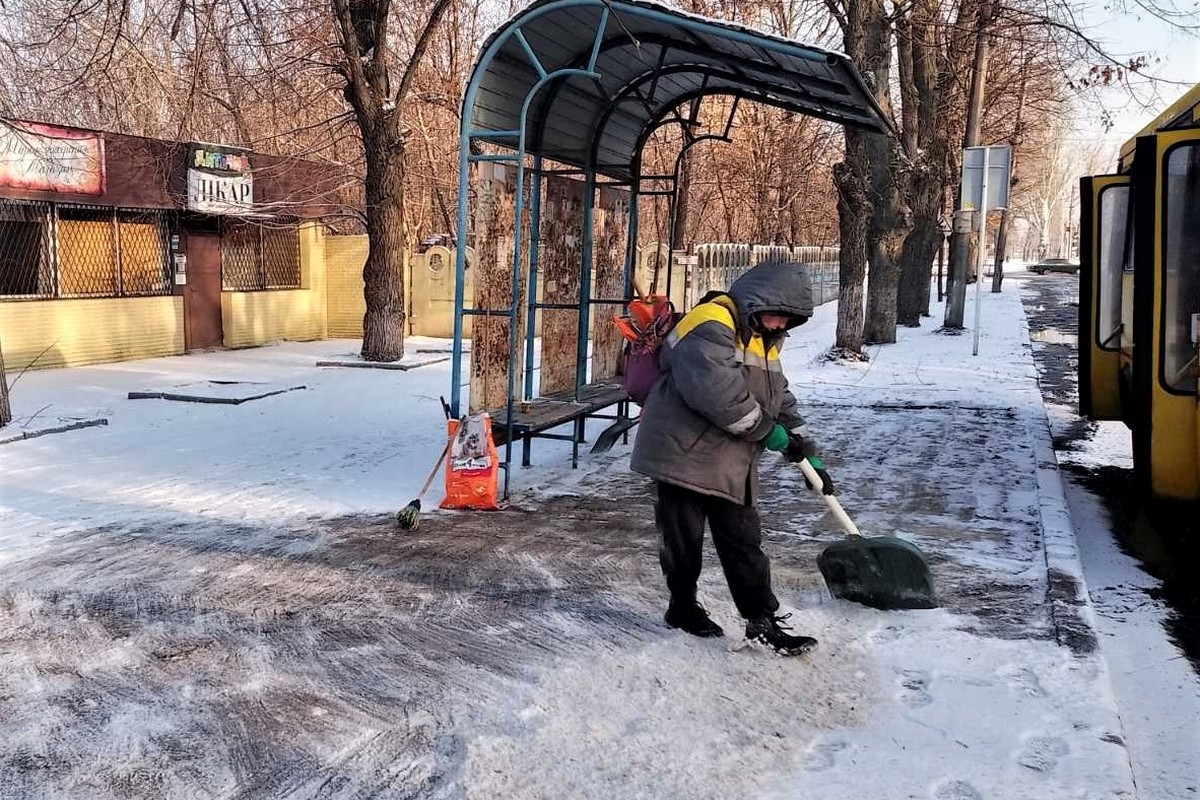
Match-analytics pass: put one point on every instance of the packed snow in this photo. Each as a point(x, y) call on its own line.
point(277, 629)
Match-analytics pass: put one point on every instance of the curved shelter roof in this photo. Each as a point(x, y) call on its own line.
point(591, 78)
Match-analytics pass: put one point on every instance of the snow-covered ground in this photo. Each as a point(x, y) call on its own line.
point(210, 600)
point(1157, 689)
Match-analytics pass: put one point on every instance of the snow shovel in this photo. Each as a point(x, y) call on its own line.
point(883, 572)
point(608, 437)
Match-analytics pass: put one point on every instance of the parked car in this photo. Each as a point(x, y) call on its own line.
point(435, 239)
point(1053, 265)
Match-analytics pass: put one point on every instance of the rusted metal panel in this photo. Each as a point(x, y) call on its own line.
point(608, 270)
point(560, 257)
point(495, 205)
point(202, 295)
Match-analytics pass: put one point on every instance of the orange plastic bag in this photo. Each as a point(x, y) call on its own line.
point(472, 465)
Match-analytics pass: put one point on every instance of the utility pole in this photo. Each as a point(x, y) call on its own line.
point(960, 236)
point(1002, 235)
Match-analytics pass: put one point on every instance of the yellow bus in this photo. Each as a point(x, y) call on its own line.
point(1139, 299)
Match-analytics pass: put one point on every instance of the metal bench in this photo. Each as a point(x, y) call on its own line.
point(534, 419)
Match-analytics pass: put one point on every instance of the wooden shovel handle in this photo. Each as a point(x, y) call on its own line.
point(834, 506)
point(436, 466)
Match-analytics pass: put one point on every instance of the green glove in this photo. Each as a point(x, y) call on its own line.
point(822, 473)
point(777, 439)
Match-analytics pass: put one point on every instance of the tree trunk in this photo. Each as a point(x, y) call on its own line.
point(884, 169)
point(941, 268)
point(920, 248)
point(383, 274)
point(916, 267)
point(683, 194)
point(925, 143)
point(883, 283)
point(960, 237)
point(853, 205)
point(854, 212)
point(1001, 239)
point(5, 408)
point(885, 240)
point(363, 26)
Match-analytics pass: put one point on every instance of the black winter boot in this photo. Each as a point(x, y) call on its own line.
point(767, 630)
point(693, 619)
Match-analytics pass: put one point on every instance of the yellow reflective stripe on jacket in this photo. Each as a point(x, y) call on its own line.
point(723, 310)
point(705, 312)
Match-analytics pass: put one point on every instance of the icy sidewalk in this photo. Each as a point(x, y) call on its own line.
point(1001, 694)
point(210, 601)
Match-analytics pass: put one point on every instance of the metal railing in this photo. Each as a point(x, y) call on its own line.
point(26, 258)
point(256, 256)
point(50, 250)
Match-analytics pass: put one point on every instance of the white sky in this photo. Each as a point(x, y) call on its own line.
point(1174, 65)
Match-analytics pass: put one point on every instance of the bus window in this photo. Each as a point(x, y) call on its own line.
point(1114, 214)
point(1181, 265)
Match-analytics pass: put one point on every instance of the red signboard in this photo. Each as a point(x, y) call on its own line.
point(50, 159)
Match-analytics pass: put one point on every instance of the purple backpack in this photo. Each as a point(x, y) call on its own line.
point(645, 330)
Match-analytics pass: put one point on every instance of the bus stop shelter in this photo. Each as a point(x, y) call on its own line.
point(559, 106)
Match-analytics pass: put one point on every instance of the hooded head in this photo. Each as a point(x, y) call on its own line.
point(773, 289)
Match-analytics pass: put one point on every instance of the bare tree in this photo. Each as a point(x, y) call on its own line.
point(931, 55)
point(863, 26)
point(1045, 179)
point(953, 87)
point(365, 58)
point(375, 87)
point(250, 71)
point(872, 183)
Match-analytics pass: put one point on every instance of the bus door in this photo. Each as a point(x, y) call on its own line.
point(1104, 217)
point(1166, 433)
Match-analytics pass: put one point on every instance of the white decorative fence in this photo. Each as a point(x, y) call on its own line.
point(718, 265)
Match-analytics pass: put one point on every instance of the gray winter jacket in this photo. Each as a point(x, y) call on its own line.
point(723, 388)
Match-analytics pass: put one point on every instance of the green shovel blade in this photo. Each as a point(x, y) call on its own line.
point(883, 572)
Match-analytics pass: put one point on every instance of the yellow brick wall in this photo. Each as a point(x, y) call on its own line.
point(429, 292)
point(79, 332)
point(344, 259)
point(256, 318)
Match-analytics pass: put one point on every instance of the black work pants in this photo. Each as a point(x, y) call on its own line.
point(737, 537)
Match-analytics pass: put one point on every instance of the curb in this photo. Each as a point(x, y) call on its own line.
point(198, 398)
point(1070, 604)
point(382, 364)
point(1071, 609)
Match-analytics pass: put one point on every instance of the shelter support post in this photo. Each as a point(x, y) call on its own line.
point(535, 238)
point(460, 272)
point(631, 234)
point(585, 306)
